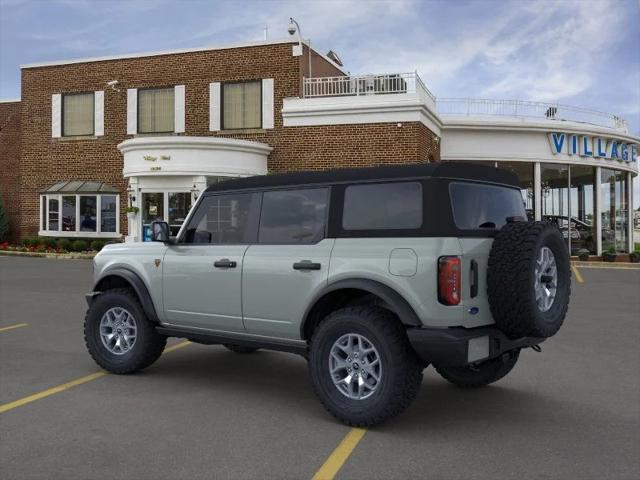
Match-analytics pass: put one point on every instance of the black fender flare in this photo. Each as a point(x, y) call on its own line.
point(138, 285)
point(397, 302)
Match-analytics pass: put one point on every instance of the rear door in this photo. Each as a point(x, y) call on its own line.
point(290, 262)
point(479, 211)
point(202, 274)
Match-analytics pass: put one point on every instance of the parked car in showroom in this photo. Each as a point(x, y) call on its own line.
point(371, 274)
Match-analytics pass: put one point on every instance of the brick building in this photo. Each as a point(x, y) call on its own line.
point(91, 137)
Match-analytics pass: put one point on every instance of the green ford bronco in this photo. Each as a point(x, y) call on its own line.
point(371, 274)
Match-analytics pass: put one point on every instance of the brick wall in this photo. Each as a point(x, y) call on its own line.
point(46, 160)
point(10, 163)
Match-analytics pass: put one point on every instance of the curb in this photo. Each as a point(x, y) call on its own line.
point(59, 256)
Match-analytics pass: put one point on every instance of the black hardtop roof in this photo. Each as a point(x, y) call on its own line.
point(454, 170)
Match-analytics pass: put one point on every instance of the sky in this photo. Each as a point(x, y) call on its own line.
point(576, 52)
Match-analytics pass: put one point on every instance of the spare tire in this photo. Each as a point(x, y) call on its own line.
point(528, 279)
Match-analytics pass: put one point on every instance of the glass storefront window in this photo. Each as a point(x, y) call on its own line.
point(582, 203)
point(88, 213)
point(108, 213)
point(614, 210)
point(69, 213)
point(179, 206)
point(524, 170)
point(554, 183)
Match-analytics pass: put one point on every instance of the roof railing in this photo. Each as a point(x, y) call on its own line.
point(474, 107)
point(372, 84)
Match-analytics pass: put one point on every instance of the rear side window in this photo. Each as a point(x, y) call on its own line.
point(224, 219)
point(383, 206)
point(477, 206)
point(293, 216)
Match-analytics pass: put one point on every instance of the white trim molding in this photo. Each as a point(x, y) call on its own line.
point(56, 115)
point(132, 111)
point(214, 107)
point(183, 155)
point(395, 108)
point(179, 108)
point(268, 108)
point(98, 123)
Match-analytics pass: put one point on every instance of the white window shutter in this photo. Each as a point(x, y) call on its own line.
point(179, 100)
point(214, 106)
point(267, 103)
point(98, 112)
point(56, 115)
point(132, 111)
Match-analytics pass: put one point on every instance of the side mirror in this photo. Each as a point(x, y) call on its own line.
point(160, 232)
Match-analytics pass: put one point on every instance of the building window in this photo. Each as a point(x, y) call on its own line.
point(79, 215)
point(156, 110)
point(242, 105)
point(524, 170)
point(582, 203)
point(78, 114)
point(614, 210)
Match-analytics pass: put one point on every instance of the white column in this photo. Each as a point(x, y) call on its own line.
point(630, 210)
point(598, 213)
point(179, 102)
point(537, 189)
point(56, 116)
point(98, 110)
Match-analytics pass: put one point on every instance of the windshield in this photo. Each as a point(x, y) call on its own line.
point(477, 206)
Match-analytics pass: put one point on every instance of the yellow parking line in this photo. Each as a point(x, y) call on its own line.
point(11, 327)
point(177, 346)
point(576, 273)
point(334, 463)
point(65, 386)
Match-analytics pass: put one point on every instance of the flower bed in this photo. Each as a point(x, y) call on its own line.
point(54, 246)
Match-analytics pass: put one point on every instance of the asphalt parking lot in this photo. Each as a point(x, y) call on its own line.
point(572, 411)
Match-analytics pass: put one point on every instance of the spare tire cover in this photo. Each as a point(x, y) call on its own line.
point(528, 279)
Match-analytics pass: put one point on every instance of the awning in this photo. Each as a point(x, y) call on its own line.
point(80, 186)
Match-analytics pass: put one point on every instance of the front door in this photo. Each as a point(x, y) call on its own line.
point(289, 264)
point(202, 273)
point(170, 207)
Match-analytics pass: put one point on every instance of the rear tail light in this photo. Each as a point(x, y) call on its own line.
point(449, 280)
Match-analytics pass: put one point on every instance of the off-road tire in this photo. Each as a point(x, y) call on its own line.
point(480, 375)
point(510, 279)
point(239, 348)
point(401, 369)
point(148, 346)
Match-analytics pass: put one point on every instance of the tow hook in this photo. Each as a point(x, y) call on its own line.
point(536, 348)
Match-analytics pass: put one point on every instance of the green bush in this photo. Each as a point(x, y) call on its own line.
point(48, 242)
point(79, 245)
point(97, 245)
point(29, 242)
point(4, 223)
point(65, 244)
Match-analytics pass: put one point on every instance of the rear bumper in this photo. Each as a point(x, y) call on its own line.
point(458, 346)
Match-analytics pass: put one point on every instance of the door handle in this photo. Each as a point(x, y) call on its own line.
point(306, 265)
point(225, 263)
point(473, 283)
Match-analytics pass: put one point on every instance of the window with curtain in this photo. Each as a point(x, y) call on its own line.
point(241, 105)
point(77, 114)
point(156, 110)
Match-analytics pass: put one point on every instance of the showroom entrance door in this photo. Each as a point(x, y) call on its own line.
point(170, 207)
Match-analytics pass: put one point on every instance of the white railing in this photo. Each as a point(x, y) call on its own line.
point(519, 108)
point(355, 85)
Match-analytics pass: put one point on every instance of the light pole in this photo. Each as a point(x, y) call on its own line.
point(293, 28)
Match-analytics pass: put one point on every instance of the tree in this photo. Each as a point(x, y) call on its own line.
point(4, 223)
